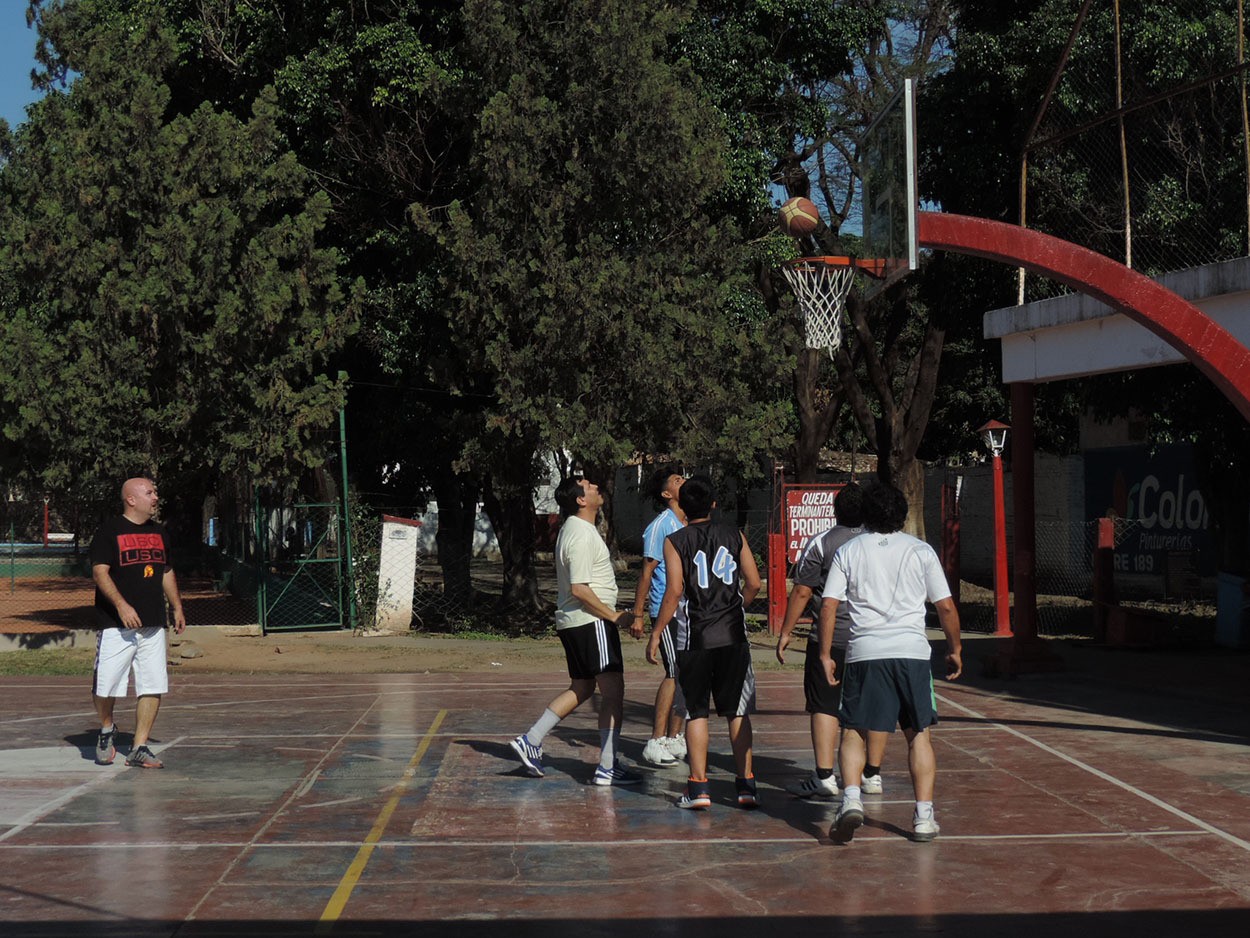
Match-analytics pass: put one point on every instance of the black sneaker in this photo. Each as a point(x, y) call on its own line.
point(696, 796)
point(104, 748)
point(142, 758)
point(748, 797)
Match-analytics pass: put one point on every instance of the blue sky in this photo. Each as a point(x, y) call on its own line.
point(17, 58)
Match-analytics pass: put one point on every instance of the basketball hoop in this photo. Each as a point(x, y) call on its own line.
point(821, 285)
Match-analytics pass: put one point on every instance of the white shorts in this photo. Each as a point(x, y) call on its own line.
point(117, 651)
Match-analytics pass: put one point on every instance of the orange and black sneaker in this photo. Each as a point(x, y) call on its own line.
point(696, 795)
point(748, 797)
point(141, 758)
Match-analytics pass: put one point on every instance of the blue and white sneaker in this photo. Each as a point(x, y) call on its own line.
point(616, 776)
point(530, 755)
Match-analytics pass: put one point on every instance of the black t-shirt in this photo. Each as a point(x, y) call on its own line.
point(137, 557)
point(709, 563)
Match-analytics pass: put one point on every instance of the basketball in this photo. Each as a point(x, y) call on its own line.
point(798, 217)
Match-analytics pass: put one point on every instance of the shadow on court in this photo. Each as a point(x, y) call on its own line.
point(393, 805)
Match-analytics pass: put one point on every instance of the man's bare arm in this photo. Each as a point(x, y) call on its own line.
point(948, 618)
point(169, 583)
point(751, 582)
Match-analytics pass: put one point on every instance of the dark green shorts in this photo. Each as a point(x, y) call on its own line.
point(882, 693)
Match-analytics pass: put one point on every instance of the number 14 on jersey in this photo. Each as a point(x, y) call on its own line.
point(724, 567)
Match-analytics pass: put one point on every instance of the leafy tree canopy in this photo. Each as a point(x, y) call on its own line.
point(166, 306)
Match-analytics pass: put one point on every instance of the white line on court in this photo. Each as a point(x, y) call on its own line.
point(308, 783)
point(1132, 789)
point(33, 816)
point(77, 823)
point(589, 844)
point(328, 804)
point(277, 813)
point(379, 691)
point(218, 817)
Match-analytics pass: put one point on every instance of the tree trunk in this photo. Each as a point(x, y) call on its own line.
point(904, 390)
point(818, 408)
point(457, 496)
point(605, 478)
point(909, 478)
point(508, 497)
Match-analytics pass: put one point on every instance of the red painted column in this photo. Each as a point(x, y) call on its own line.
point(1002, 601)
point(1023, 512)
point(1025, 653)
point(776, 582)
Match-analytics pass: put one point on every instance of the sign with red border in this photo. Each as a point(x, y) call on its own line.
point(807, 513)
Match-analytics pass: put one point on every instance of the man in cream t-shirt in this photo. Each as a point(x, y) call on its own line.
point(885, 577)
point(587, 622)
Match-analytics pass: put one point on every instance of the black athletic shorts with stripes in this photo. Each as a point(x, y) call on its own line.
point(821, 696)
point(592, 649)
point(721, 674)
point(668, 649)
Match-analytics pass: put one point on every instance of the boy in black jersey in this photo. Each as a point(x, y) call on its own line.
point(704, 561)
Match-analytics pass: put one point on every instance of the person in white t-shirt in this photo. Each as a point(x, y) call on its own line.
point(885, 577)
point(587, 622)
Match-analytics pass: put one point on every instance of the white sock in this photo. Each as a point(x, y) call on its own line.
point(851, 793)
point(608, 739)
point(924, 810)
point(542, 726)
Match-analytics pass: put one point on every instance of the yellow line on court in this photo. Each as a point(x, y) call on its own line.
point(338, 901)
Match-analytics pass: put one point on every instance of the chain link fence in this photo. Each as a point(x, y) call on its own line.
point(1175, 588)
point(1140, 153)
point(393, 551)
point(283, 565)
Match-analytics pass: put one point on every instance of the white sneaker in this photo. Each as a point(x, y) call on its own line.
point(924, 829)
point(657, 753)
point(814, 786)
point(676, 745)
point(871, 786)
point(850, 818)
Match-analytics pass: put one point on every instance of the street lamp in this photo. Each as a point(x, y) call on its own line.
point(994, 435)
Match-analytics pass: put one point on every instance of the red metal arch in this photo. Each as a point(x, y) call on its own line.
point(1181, 324)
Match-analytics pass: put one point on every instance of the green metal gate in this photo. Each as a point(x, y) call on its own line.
point(302, 576)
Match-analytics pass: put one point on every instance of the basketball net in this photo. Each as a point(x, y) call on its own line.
point(821, 285)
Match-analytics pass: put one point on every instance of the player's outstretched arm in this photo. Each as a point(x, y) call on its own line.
point(640, 594)
point(750, 572)
point(592, 603)
point(948, 618)
point(800, 596)
point(674, 586)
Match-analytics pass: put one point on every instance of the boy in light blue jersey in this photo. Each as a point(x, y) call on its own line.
point(667, 743)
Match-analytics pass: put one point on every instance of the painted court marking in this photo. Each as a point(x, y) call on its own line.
point(1106, 777)
point(815, 843)
point(281, 809)
point(338, 901)
point(43, 810)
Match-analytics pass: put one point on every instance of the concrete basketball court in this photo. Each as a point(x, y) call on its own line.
point(1113, 798)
